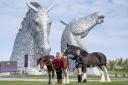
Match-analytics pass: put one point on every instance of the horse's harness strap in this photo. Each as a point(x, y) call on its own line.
point(47, 62)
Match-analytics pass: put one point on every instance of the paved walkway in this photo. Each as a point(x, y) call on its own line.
point(33, 79)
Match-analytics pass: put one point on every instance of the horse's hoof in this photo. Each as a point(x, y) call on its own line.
point(109, 81)
point(102, 81)
point(49, 83)
point(84, 81)
point(67, 83)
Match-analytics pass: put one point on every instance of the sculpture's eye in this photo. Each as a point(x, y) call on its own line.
point(36, 23)
point(49, 23)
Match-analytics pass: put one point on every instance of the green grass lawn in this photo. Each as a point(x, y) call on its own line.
point(119, 72)
point(72, 83)
point(46, 76)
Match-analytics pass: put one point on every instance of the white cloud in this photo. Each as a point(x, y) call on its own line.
point(113, 30)
point(122, 2)
point(105, 42)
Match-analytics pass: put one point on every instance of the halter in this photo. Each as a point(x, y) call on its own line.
point(45, 63)
point(48, 63)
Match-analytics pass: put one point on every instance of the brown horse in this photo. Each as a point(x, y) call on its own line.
point(47, 60)
point(95, 59)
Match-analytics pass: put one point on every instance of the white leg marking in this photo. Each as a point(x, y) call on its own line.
point(53, 80)
point(64, 80)
point(84, 76)
point(102, 75)
point(106, 72)
point(67, 77)
point(38, 67)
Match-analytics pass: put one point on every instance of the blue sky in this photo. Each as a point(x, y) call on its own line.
point(111, 37)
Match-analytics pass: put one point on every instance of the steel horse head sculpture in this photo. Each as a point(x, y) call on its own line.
point(78, 29)
point(33, 36)
point(40, 27)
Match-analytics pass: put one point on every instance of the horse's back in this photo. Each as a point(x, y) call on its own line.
point(95, 59)
point(48, 56)
point(101, 57)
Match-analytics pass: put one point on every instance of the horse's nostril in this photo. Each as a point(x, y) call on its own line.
point(101, 17)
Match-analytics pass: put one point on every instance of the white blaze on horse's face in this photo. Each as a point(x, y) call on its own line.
point(38, 67)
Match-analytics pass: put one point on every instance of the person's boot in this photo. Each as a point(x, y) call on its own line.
point(60, 81)
point(79, 78)
point(84, 81)
point(57, 81)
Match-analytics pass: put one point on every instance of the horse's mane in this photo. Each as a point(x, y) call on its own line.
point(73, 48)
point(47, 57)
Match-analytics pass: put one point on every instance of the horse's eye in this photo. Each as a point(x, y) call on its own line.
point(36, 23)
point(50, 23)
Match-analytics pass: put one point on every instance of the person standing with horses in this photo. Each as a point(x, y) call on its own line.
point(79, 64)
point(58, 64)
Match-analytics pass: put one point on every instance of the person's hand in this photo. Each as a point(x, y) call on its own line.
point(62, 68)
point(50, 60)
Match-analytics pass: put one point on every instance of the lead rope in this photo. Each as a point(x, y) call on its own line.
point(59, 70)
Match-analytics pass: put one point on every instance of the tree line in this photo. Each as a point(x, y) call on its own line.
point(118, 64)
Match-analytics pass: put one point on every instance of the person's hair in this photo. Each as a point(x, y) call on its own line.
point(58, 53)
point(77, 49)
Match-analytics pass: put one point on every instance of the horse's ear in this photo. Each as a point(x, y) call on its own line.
point(50, 7)
point(64, 23)
point(30, 6)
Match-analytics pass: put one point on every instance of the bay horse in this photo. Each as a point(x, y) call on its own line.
point(47, 60)
point(95, 59)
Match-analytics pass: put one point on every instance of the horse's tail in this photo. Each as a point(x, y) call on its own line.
point(102, 58)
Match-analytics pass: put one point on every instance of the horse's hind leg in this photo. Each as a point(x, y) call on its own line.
point(64, 73)
point(84, 77)
point(102, 74)
point(66, 76)
point(106, 72)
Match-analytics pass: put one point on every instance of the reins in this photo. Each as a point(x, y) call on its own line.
point(47, 62)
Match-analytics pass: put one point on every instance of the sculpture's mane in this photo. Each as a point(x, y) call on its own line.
point(89, 17)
